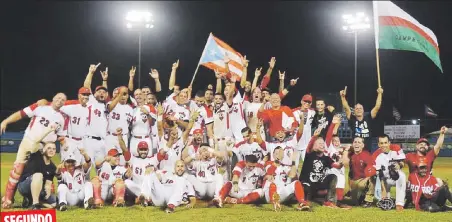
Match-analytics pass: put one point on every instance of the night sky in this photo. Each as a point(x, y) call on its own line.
point(48, 46)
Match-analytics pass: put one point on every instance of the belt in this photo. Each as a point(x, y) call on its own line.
point(115, 134)
point(94, 137)
point(220, 139)
point(141, 137)
point(74, 138)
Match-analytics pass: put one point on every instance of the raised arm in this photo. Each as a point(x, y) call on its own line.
point(89, 76)
point(114, 102)
point(160, 120)
point(285, 91)
point(257, 73)
point(440, 141)
point(87, 163)
point(300, 127)
point(374, 111)
point(329, 134)
point(348, 111)
point(218, 75)
point(131, 75)
point(259, 139)
point(11, 119)
point(191, 122)
point(104, 75)
point(244, 72)
point(266, 80)
point(155, 75)
point(172, 79)
point(281, 80)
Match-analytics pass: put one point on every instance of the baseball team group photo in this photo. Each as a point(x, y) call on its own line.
point(116, 115)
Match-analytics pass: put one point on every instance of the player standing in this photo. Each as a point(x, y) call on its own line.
point(143, 119)
point(308, 114)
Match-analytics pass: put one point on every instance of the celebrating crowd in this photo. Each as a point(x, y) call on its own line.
point(235, 144)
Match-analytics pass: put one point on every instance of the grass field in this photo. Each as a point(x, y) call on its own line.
point(442, 169)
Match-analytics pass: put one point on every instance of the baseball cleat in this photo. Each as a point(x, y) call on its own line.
point(142, 201)
point(344, 206)
point(230, 200)
point(26, 202)
point(217, 202)
point(98, 203)
point(119, 203)
point(303, 206)
point(36, 206)
point(169, 210)
point(275, 202)
point(89, 204)
point(62, 207)
point(367, 204)
point(330, 205)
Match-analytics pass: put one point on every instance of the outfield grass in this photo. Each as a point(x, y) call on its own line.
point(442, 169)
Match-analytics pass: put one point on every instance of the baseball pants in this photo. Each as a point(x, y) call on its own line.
point(72, 198)
point(286, 192)
point(207, 190)
point(400, 185)
point(162, 195)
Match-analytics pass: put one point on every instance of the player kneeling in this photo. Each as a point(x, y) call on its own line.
point(246, 179)
point(168, 188)
point(110, 182)
point(281, 183)
point(206, 180)
point(73, 188)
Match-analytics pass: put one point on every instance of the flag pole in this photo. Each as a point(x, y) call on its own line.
point(376, 33)
point(197, 67)
point(378, 67)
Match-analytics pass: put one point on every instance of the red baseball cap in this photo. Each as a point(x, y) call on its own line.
point(143, 145)
point(113, 152)
point(307, 97)
point(423, 140)
point(197, 131)
point(100, 87)
point(84, 90)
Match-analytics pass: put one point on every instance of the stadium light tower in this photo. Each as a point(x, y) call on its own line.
point(355, 24)
point(139, 21)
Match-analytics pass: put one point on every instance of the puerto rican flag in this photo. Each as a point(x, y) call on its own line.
point(213, 55)
point(429, 112)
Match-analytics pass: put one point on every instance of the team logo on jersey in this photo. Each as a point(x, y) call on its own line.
point(211, 168)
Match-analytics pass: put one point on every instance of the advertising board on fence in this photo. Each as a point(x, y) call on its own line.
point(403, 131)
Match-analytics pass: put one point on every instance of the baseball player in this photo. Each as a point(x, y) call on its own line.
point(41, 118)
point(308, 114)
point(388, 162)
point(73, 188)
point(168, 188)
point(143, 118)
point(249, 146)
point(244, 187)
point(281, 182)
point(205, 117)
point(205, 178)
point(110, 182)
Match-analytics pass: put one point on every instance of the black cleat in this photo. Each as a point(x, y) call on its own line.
point(36, 206)
point(62, 207)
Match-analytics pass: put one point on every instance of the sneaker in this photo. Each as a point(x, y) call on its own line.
point(399, 208)
point(36, 206)
point(169, 210)
point(330, 205)
point(303, 206)
point(89, 204)
point(62, 207)
point(142, 201)
point(217, 202)
point(348, 194)
point(230, 200)
point(275, 202)
point(344, 206)
point(366, 204)
point(26, 202)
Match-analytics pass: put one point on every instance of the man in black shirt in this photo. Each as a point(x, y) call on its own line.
point(323, 117)
point(360, 124)
point(36, 180)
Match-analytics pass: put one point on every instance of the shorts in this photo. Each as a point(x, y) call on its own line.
point(24, 188)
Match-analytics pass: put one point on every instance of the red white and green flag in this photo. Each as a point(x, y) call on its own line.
point(396, 29)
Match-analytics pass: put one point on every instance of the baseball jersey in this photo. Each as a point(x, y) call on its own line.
point(141, 126)
point(248, 179)
point(412, 159)
point(382, 160)
point(41, 118)
point(422, 187)
point(108, 173)
point(308, 117)
point(173, 154)
point(139, 166)
point(97, 124)
point(236, 116)
point(78, 119)
point(221, 122)
point(205, 118)
point(73, 181)
point(280, 173)
point(243, 148)
point(170, 179)
point(204, 170)
point(280, 118)
point(120, 117)
point(250, 110)
point(358, 164)
point(289, 148)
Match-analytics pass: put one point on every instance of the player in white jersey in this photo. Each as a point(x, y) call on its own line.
point(168, 188)
point(119, 116)
point(142, 166)
point(143, 117)
point(308, 114)
point(251, 109)
point(177, 110)
point(204, 175)
point(73, 188)
point(79, 117)
point(95, 135)
point(193, 147)
point(249, 146)
point(236, 115)
point(245, 185)
point(205, 117)
point(41, 118)
point(110, 182)
point(281, 182)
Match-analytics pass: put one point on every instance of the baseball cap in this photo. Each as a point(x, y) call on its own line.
point(99, 88)
point(84, 90)
point(307, 97)
point(423, 140)
point(69, 157)
point(197, 131)
point(143, 145)
point(113, 152)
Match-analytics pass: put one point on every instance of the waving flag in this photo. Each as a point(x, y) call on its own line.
point(429, 112)
point(213, 55)
point(396, 29)
point(396, 113)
